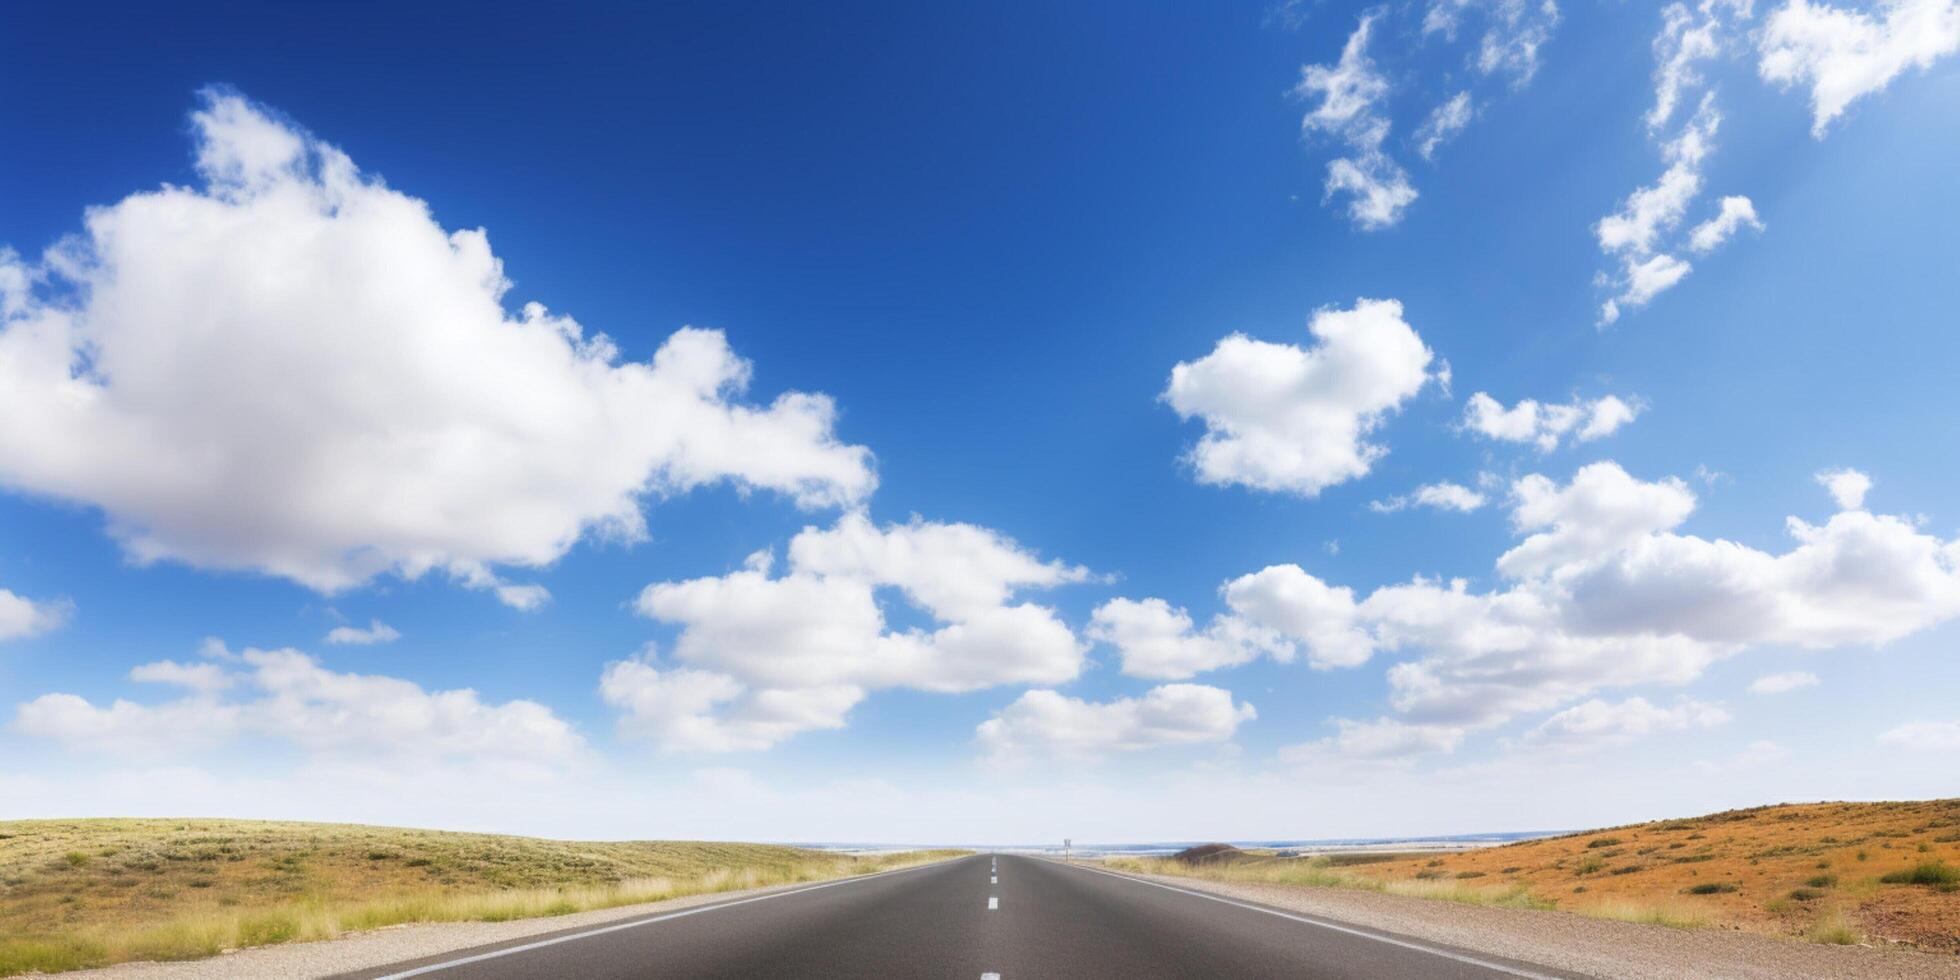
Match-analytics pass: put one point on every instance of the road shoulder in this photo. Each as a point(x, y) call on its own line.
point(369, 952)
point(1594, 947)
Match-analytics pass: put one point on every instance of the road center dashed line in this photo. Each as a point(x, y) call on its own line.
point(989, 976)
point(993, 903)
point(993, 879)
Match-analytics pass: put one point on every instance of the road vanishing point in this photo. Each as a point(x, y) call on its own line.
point(989, 917)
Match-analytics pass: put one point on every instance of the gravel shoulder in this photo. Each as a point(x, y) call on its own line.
point(397, 944)
point(1595, 947)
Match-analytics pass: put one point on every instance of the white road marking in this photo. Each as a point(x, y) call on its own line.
point(1405, 944)
point(993, 879)
point(540, 944)
point(989, 976)
point(993, 902)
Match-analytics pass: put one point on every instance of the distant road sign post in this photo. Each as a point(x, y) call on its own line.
point(1066, 845)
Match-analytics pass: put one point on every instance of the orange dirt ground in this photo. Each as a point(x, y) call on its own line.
point(1791, 867)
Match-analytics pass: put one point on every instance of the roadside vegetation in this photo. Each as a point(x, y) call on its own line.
point(1839, 873)
point(83, 893)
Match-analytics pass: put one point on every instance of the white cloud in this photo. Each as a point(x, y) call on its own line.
point(771, 655)
point(1637, 234)
point(1783, 683)
point(1444, 122)
point(1159, 641)
point(1597, 722)
point(376, 632)
point(21, 617)
point(683, 708)
point(1602, 510)
point(1518, 30)
point(1847, 486)
point(295, 369)
point(1515, 32)
point(1546, 424)
point(1278, 612)
point(294, 700)
point(1300, 607)
point(1602, 592)
point(1737, 212)
point(1843, 55)
point(1378, 188)
point(1381, 740)
point(205, 677)
point(1687, 38)
point(1346, 100)
point(1441, 496)
point(1650, 211)
point(1925, 736)
point(1047, 723)
point(1283, 418)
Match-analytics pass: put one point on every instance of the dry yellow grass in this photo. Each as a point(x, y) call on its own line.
point(78, 893)
point(1826, 872)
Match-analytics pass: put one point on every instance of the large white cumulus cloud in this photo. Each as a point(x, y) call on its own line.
point(295, 369)
point(1286, 418)
point(763, 656)
point(1602, 592)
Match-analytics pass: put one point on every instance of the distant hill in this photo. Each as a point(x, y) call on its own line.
point(1209, 854)
point(77, 893)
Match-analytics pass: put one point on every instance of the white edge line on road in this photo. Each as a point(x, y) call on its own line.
point(540, 944)
point(1363, 933)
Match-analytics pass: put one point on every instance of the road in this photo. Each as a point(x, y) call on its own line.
point(996, 918)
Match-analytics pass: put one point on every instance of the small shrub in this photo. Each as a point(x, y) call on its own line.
point(1805, 894)
point(1834, 929)
point(1429, 874)
point(1602, 842)
point(1469, 874)
point(1627, 869)
point(1712, 888)
point(1513, 869)
point(1936, 873)
point(1821, 881)
point(1589, 865)
point(75, 859)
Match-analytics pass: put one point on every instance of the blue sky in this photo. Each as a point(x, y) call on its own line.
point(252, 390)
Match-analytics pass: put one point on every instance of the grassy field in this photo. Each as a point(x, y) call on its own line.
point(78, 893)
point(1826, 872)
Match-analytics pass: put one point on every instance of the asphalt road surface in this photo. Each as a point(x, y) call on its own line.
point(995, 918)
